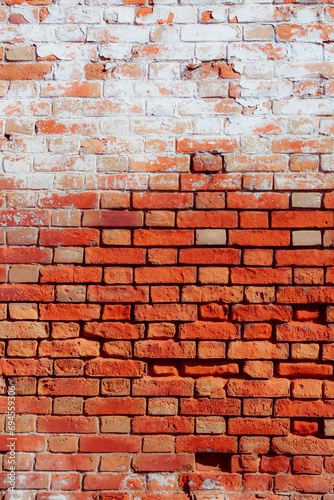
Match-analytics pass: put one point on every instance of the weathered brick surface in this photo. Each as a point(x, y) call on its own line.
point(166, 249)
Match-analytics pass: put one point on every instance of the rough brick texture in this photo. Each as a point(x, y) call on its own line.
point(166, 260)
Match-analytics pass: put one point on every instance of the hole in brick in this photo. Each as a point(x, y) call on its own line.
point(213, 461)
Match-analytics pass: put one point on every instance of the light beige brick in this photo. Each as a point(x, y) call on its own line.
point(210, 237)
point(20, 53)
point(306, 238)
point(68, 255)
point(210, 425)
point(23, 274)
point(306, 200)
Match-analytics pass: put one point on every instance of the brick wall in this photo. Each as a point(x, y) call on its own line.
point(166, 262)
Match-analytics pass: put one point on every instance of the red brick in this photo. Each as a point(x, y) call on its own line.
point(105, 444)
point(162, 201)
point(69, 237)
point(68, 424)
point(254, 219)
point(26, 293)
point(114, 368)
point(68, 387)
point(111, 481)
point(257, 350)
point(69, 312)
point(164, 349)
point(69, 348)
point(266, 201)
point(307, 465)
point(209, 330)
point(114, 330)
point(304, 370)
point(115, 406)
point(258, 388)
point(24, 71)
point(206, 368)
point(304, 484)
point(256, 482)
point(213, 311)
point(300, 332)
point(166, 312)
point(255, 257)
point(304, 409)
point(26, 481)
point(304, 428)
point(210, 256)
point(257, 331)
point(27, 404)
point(275, 464)
point(304, 257)
point(207, 163)
point(205, 444)
point(163, 425)
point(165, 275)
point(203, 182)
point(150, 386)
point(25, 443)
point(205, 406)
point(114, 256)
point(111, 218)
point(66, 462)
point(116, 312)
point(105, 293)
point(259, 237)
point(163, 237)
point(222, 482)
point(214, 219)
point(163, 463)
point(56, 274)
point(305, 295)
point(301, 219)
point(68, 200)
point(33, 367)
point(210, 293)
point(262, 276)
point(261, 312)
point(259, 426)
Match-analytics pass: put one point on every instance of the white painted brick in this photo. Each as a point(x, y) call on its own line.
point(255, 124)
point(209, 51)
point(113, 88)
point(115, 51)
point(218, 14)
point(17, 164)
point(179, 15)
point(120, 15)
point(137, 34)
point(164, 71)
point(214, 33)
point(71, 52)
point(324, 106)
point(114, 126)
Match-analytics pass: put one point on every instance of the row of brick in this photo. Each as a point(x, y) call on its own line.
point(215, 275)
point(165, 201)
point(309, 181)
point(183, 14)
point(232, 483)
